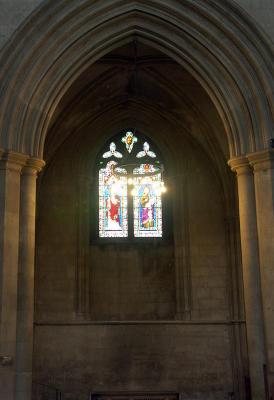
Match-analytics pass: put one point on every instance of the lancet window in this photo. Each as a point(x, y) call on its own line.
point(130, 189)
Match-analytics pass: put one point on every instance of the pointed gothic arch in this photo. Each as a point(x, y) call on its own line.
point(205, 37)
point(215, 42)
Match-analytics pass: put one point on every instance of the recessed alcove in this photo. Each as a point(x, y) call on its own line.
point(136, 316)
point(156, 313)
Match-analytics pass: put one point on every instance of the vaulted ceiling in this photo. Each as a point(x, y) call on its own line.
point(136, 86)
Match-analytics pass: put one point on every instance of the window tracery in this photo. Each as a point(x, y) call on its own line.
point(130, 190)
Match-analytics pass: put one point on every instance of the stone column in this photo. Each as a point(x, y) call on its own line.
point(11, 164)
point(263, 164)
point(251, 275)
point(181, 248)
point(25, 310)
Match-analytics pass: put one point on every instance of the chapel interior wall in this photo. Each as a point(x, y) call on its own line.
point(98, 349)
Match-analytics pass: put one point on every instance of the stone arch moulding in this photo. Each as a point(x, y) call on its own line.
point(215, 41)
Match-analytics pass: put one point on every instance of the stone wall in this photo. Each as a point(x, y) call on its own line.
point(12, 15)
point(70, 272)
point(192, 360)
point(119, 341)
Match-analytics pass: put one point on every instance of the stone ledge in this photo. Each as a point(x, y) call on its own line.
point(262, 160)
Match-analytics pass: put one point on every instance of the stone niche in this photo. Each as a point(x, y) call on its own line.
point(130, 316)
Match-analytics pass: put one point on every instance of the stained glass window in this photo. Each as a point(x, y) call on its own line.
point(147, 205)
point(130, 190)
point(113, 221)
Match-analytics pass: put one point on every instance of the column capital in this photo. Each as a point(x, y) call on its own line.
point(240, 165)
point(11, 160)
point(33, 166)
point(262, 160)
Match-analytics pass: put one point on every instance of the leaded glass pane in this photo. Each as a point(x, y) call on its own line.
point(147, 205)
point(112, 203)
